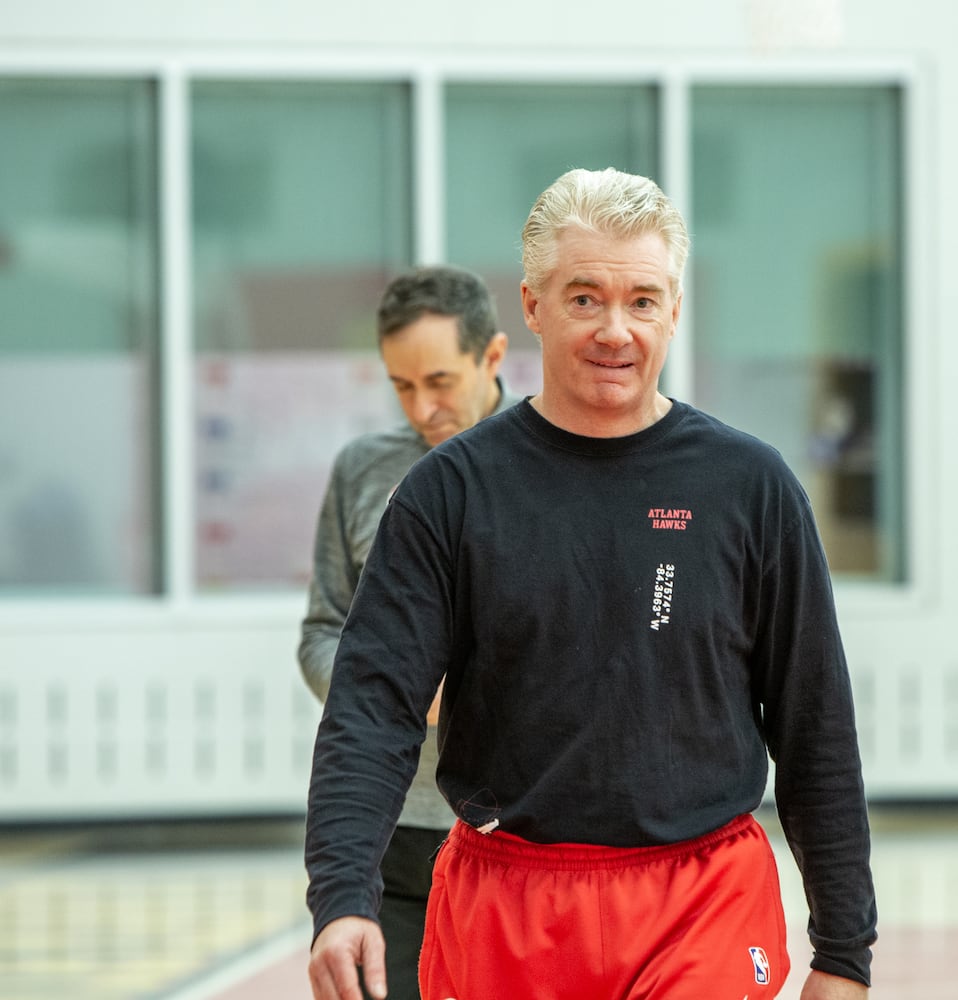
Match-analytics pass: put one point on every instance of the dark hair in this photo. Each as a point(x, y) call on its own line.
point(440, 291)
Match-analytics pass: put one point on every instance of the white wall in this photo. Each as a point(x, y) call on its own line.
point(745, 25)
point(84, 684)
point(756, 27)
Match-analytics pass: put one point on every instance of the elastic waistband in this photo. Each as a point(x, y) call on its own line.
point(507, 849)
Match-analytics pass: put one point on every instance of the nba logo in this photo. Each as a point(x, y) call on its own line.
point(763, 972)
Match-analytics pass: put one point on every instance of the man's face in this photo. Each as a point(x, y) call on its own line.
point(605, 318)
point(441, 390)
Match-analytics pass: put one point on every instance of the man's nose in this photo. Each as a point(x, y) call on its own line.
point(423, 407)
point(614, 331)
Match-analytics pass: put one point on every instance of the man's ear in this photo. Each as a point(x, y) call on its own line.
point(530, 304)
point(676, 311)
point(495, 351)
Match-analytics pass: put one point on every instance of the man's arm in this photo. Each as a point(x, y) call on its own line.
point(331, 588)
point(809, 721)
point(393, 652)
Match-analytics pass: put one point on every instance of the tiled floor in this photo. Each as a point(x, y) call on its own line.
point(124, 912)
point(215, 911)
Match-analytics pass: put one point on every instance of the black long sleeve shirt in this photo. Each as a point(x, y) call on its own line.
point(628, 628)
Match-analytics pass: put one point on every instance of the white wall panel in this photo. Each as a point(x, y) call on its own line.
point(169, 717)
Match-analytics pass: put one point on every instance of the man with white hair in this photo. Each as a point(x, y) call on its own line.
point(631, 607)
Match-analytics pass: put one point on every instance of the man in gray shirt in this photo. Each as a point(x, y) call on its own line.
point(442, 350)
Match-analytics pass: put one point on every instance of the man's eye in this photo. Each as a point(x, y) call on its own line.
point(643, 303)
point(581, 300)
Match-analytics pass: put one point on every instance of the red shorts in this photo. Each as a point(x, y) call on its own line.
point(699, 920)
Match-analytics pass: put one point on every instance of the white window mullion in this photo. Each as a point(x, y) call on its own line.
point(679, 380)
point(177, 418)
point(921, 401)
point(428, 170)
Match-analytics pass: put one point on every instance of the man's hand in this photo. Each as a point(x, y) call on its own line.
point(340, 947)
point(821, 986)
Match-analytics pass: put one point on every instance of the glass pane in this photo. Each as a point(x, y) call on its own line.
point(798, 296)
point(301, 214)
point(505, 145)
point(78, 337)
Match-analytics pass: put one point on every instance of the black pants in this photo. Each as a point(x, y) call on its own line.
point(407, 877)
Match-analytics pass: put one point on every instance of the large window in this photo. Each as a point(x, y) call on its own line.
point(78, 338)
point(797, 220)
point(304, 202)
point(301, 214)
